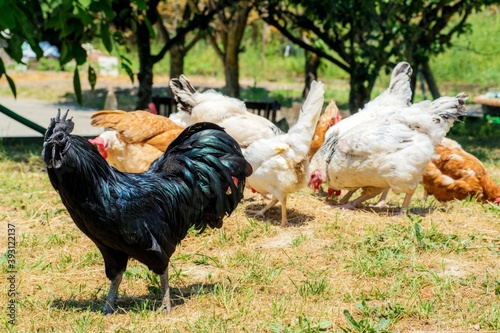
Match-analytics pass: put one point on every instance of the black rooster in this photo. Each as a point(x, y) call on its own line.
point(199, 180)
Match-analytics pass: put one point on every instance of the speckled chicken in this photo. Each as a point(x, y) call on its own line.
point(453, 173)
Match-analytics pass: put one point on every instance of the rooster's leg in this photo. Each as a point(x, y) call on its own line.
point(109, 308)
point(165, 292)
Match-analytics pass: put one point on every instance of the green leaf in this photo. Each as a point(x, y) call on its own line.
point(125, 59)
point(384, 323)
point(12, 85)
point(82, 15)
point(350, 319)
point(324, 324)
point(77, 86)
point(14, 48)
point(106, 37)
point(6, 16)
point(276, 328)
point(150, 27)
point(129, 71)
point(79, 54)
point(2, 68)
point(92, 77)
point(141, 4)
point(66, 53)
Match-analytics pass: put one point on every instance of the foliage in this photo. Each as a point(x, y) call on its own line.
point(364, 37)
point(66, 24)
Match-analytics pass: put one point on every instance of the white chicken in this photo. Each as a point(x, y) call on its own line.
point(397, 95)
point(280, 163)
point(390, 154)
point(228, 112)
point(386, 145)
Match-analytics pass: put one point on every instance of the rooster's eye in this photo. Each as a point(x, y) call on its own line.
point(59, 136)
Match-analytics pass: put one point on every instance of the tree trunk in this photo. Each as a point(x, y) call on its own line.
point(413, 84)
point(311, 71)
point(177, 55)
point(360, 91)
point(429, 78)
point(145, 75)
point(231, 71)
point(231, 28)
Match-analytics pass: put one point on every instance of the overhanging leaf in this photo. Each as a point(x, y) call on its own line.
point(2, 68)
point(150, 27)
point(66, 53)
point(79, 54)
point(12, 85)
point(92, 77)
point(106, 37)
point(129, 71)
point(77, 86)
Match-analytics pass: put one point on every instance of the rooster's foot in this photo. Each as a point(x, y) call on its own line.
point(165, 308)
point(108, 309)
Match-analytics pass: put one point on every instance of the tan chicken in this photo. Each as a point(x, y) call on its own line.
point(330, 117)
point(135, 140)
point(453, 173)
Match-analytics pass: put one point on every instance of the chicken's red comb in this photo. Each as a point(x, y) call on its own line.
point(152, 108)
point(101, 144)
point(335, 192)
point(97, 141)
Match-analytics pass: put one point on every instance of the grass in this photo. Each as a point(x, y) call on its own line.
point(337, 271)
point(436, 270)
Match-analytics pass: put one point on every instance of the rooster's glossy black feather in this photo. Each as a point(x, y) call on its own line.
point(197, 182)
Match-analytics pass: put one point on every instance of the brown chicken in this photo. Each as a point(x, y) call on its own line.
point(330, 117)
point(135, 140)
point(453, 173)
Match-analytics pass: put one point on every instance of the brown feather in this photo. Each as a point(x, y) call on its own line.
point(326, 120)
point(144, 136)
point(453, 173)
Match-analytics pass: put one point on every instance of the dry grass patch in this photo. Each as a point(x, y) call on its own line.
point(332, 270)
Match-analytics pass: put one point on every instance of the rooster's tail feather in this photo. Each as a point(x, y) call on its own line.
point(184, 93)
point(205, 153)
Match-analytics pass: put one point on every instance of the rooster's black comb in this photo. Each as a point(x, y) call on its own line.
point(59, 124)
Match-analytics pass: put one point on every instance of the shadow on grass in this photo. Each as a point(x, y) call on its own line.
point(273, 215)
point(136, 304)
